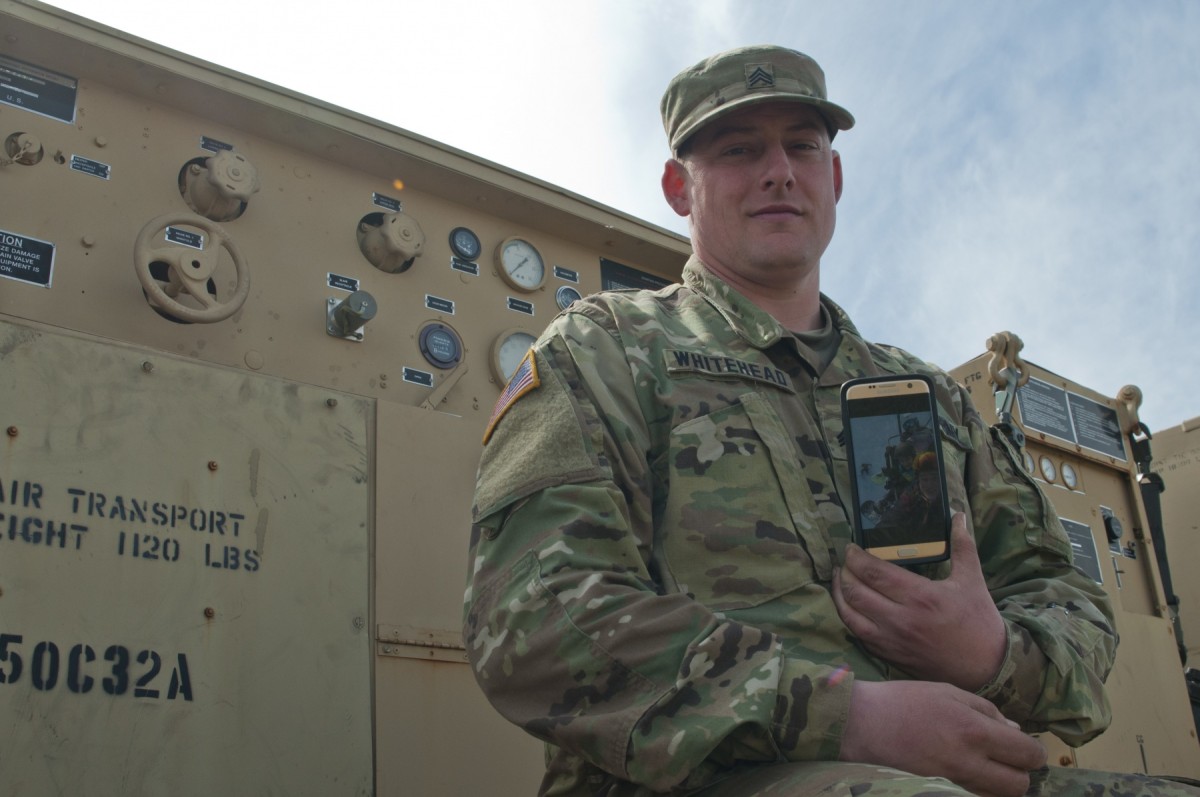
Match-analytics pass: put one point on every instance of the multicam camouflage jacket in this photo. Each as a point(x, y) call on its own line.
point(656, 526)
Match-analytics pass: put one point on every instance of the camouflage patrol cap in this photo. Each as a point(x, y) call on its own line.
point(735, 78)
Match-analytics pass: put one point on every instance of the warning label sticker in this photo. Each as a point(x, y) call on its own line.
point(26, 259)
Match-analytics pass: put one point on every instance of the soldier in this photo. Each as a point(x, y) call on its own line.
point(663, 586)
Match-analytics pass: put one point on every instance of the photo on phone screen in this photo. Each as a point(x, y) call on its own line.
point(897, 475)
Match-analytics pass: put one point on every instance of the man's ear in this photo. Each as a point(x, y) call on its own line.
point(675, 187)
point(837, 176)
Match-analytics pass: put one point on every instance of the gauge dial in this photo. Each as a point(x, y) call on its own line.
point(1069, 476)
point(566, 296)
point(465, 244)
point(441, 346)
point(508, 351)
point(1048, 469)
point(1028, 462)
point(520, 264)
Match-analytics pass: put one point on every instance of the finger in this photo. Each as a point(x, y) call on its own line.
point(858, 594)
point(883, 578)
point(856, 621)
point(992, 778)
point(1022, 753)
point(1008, 744)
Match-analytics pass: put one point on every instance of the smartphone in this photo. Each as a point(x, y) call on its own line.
point(897, 475)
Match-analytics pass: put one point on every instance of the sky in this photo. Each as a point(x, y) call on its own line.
point(1020, 165)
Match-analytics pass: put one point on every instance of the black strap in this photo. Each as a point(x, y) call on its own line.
point(1152, 487)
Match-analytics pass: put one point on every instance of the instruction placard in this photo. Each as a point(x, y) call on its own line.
point(1083, 548)
point(1053, 410)
point(39, 90)
point(26, 259)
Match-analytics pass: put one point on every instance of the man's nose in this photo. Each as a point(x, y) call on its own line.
point(777, 167)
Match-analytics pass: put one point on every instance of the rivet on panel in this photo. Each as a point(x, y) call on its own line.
point(210, 612)
point(331, 402)
point(12, 431)
point(212, 464)
point(254, 360)
point(147, 366)
point(88, 240)
point(100, 141)
point(1064, 761)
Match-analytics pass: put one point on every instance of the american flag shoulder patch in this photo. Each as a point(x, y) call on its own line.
point(523, 380)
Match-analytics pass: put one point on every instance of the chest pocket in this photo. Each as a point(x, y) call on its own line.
point(737, 508)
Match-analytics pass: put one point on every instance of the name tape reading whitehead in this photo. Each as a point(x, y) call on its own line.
point(153, 531)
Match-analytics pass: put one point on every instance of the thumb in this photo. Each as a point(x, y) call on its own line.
point(964, 553)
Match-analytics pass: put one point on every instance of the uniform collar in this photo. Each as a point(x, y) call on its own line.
point(758, 327)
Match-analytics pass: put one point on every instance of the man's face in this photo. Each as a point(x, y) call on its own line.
point(760, 187)
point(929, 484)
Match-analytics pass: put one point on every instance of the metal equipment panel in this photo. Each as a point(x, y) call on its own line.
point(184, 566)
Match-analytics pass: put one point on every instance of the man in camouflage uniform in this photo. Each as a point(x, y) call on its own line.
point(663, 585)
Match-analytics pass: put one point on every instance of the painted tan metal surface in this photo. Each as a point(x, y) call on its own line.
point(324, 237)
point(1177, 461)
point(184, 554)
point(1152, 730)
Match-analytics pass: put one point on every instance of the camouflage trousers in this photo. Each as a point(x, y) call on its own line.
point(835, 779)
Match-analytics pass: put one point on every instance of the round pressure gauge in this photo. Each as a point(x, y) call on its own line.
point(465, 244)
point(1048, 470)
point(1070, 477)
point(441, 346)
point(508, 351)
point(1028, 462)
point(520, 264)
point(566, 296)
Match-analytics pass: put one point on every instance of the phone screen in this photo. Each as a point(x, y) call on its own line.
point(897, 474)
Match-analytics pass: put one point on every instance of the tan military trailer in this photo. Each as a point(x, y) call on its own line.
point(1177, 464)
point(249, 344)
point(1090, 454)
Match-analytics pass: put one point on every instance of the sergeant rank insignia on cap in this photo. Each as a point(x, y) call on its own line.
point(523, 380)
point(760, 76)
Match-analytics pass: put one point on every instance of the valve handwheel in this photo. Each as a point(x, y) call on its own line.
point(189, 269)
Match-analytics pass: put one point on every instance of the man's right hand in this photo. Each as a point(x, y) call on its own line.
point(938, 730)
